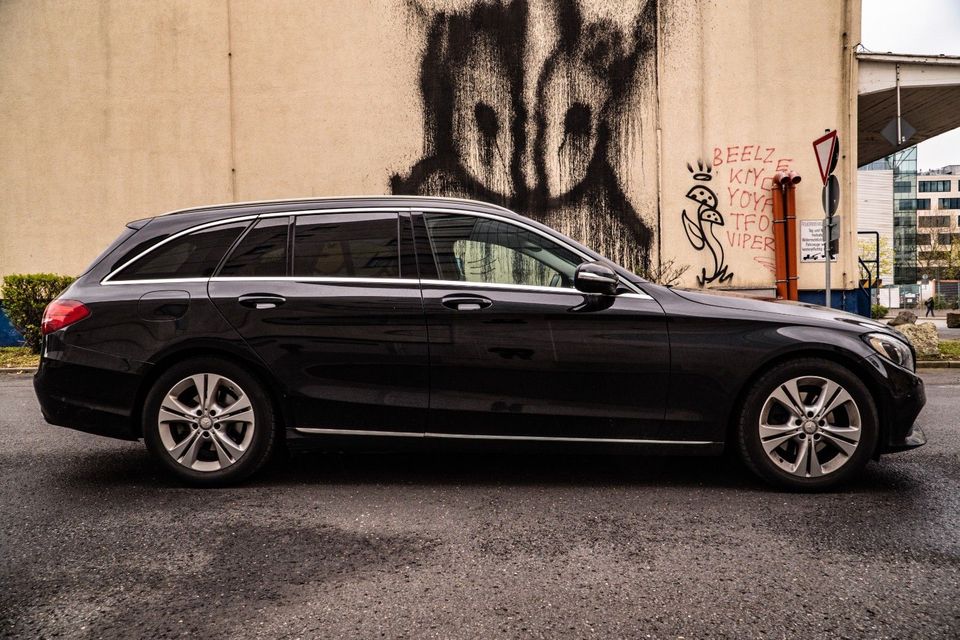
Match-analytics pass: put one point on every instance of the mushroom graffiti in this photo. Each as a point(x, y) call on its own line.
point(701, 232)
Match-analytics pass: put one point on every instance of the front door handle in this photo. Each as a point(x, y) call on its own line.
point(261, 300)
point(466, 303)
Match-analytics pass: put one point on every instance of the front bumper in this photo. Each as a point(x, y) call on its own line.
point(900, 401)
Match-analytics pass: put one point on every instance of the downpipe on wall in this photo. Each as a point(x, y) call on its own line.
point(785, 234)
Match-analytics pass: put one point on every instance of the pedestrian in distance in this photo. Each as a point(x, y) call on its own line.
point(929, 304)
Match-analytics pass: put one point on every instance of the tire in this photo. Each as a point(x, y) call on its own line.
point(218, 442)
point(805, 446)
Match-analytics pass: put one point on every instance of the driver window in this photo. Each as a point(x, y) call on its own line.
point(474, 249)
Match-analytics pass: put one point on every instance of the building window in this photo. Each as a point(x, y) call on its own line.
point(929, 222)
point(911, 204)
point(948, 238)
point(949, 203)
point(903, 187)
point(934, 186)
point(923, 239)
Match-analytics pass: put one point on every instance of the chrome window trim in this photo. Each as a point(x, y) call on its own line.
point(114, 283)
point(460, 284)
point(452, 284)
point(472, 436)
point(108, 279)
point(327, 279)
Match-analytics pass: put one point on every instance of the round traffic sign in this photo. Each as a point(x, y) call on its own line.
point(833, 189)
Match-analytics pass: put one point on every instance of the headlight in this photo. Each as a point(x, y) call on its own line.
point(894, 350)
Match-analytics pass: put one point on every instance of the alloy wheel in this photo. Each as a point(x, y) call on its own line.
point(206, 422)
point(810, 426)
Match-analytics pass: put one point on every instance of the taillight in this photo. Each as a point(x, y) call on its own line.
point(62, 313)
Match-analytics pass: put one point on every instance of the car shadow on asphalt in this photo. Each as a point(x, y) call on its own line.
point(132, 468)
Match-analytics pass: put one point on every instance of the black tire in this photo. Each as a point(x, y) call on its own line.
point(748, 425)
point(262, 441)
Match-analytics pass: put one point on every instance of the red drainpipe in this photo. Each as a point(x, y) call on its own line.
point(785, 234)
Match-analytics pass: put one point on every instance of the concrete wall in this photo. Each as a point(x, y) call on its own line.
point(585, 115)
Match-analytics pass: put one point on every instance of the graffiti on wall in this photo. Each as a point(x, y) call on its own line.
point(701, 227)
point(743, 207)
point(540, 131)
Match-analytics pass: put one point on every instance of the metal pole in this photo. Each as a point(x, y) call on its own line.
point(826, 240)
point(899, 132)
point(826, 250)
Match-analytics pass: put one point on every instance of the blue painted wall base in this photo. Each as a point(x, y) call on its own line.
point(9, 337)
point(852, 300)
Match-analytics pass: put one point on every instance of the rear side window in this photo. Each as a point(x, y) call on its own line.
point(360, 245)
point(262, 253)
point(194, 255)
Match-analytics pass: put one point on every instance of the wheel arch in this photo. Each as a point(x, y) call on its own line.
point(212, 350)
point(842, 357)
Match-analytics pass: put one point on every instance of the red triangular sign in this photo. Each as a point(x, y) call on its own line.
point(824, 149)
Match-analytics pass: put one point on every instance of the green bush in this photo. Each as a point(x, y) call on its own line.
point(24, 298)
point(878, 311)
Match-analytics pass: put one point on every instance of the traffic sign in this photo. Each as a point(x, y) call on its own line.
point(827, 150)
point(830, 197)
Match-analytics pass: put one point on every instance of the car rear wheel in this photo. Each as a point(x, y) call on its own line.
point(209, 422)
point(808, 424)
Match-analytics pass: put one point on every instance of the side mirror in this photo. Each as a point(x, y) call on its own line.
point(593, 277)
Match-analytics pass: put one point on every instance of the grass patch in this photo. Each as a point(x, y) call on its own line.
point(950, 349)
point(18, 357)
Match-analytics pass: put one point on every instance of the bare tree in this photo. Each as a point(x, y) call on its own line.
point(667, 272)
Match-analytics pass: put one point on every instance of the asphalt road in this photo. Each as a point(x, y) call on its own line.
point(96, 542)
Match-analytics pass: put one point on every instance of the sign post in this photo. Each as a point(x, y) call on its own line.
point(827, 150)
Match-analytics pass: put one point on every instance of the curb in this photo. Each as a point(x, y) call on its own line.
point(938, 364)
point(18, 369)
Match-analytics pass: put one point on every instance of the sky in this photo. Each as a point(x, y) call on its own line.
point(917, 26)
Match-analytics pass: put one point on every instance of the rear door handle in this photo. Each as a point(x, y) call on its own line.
point(261, 300)
point(465, 303)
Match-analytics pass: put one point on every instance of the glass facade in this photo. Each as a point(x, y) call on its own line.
point(904, 165)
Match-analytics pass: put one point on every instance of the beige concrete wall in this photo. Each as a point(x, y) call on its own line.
point(118, 110)
point(746, 86)
point(109, 111)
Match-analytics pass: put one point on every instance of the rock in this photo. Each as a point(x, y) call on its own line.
point(923, 336)
point(904, 317)
point(953, 320)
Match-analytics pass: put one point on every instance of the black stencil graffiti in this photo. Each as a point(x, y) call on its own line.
point(701, 232)
point(542, 136)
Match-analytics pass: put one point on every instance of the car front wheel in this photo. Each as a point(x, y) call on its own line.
point(209, 422)
point(808, 424)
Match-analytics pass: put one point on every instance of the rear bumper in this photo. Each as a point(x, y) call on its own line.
point(90, 392)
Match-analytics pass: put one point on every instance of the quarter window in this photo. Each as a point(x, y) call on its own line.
point(475, 249)
point(362, 245)
point(262, 253)
point(194, 255)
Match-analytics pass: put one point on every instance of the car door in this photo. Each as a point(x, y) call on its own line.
point(517, 352)
point(330, 301)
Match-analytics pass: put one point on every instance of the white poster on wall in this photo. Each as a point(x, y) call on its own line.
point(811, 242)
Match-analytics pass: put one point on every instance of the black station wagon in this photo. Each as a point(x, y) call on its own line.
point(217, 333)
